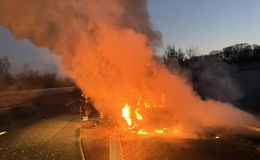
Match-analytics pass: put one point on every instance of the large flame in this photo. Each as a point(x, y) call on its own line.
point(126, 113)
point(134, 121)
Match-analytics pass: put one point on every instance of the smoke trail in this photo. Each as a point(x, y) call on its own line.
point(106, 47)
point(46, 21)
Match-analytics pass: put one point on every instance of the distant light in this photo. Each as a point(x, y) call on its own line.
point(2, 133)
point(217, 137)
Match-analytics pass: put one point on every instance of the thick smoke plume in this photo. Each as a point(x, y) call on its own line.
point(106, 47)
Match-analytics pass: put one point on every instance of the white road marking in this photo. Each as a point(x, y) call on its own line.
point(69, 103)
point(14, 106)
point(115, 150)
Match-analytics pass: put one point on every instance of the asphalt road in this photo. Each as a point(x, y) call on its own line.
point(50, 128)
point(102, 143)
point(41, 129)
point(154, 148)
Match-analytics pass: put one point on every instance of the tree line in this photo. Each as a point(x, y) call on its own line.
point(235, 54)
point(27, 78)
point(211, 75)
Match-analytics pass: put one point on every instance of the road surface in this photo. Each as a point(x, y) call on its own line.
point(47, 128)
point(102, 143)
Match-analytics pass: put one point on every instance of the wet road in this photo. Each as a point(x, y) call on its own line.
point(42, 129)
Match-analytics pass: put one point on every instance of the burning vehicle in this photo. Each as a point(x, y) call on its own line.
point(108, 49)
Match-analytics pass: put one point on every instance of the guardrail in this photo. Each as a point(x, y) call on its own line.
point(12, 98)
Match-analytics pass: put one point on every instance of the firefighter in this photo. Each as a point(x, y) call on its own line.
point(85, 104)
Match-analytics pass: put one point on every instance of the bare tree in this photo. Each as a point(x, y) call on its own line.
point(192, 52)
point(5, 77)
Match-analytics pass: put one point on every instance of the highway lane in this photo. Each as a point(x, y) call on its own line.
point(45, 129)
point(10, 98)
point(102, 143)
point(154, 148)
point(49, 128)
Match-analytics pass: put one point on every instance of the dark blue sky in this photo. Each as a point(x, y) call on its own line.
point(206, 24)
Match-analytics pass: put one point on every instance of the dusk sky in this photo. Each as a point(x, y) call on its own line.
point(206, 24)
point(23, 51)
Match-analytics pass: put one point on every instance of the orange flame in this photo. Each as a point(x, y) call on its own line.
point(133, 122)
point(126, 113)
point(159, 131)
point(142, 132)
point(146, 105)
point(138, 115)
